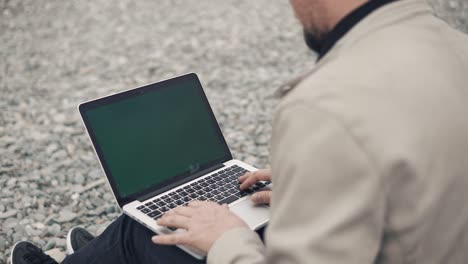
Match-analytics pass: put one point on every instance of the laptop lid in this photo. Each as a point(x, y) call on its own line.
point(153, 138)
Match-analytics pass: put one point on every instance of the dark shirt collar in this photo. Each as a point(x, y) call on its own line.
point(346, 24)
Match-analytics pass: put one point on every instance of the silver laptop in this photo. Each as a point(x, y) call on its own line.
point(160, 147)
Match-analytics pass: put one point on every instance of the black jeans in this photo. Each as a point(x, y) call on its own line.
point(127, 241)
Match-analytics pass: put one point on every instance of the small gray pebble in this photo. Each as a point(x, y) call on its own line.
point(11, 182)
point(66, 216)
point(53, 230)
point(8, 214)
point(50, 245)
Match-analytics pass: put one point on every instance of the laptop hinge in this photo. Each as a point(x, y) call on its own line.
point(175, 184)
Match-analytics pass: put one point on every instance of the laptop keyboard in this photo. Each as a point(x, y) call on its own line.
point(221, 187)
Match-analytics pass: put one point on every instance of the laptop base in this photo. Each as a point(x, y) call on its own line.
point(256, 216)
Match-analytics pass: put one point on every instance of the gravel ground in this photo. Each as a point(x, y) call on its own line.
point(55, 54)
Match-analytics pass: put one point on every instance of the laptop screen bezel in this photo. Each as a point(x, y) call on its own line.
point(177, 179)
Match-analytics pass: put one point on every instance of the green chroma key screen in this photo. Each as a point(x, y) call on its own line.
point(152, 137)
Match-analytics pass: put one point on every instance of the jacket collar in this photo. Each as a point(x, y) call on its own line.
point(388, 14)
point(347, 23)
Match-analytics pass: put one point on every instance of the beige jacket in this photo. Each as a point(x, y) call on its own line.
point(369, 152)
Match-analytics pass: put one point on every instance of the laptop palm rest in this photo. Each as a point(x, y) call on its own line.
point(256, 216)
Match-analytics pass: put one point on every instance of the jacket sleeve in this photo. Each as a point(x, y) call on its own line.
point(328, 205)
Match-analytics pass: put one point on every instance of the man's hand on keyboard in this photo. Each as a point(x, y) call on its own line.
point(205, 222)
point(250, 178)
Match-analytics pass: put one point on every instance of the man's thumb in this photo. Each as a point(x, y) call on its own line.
point(263, 197)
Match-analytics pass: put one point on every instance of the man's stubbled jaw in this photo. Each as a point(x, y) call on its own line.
point(313, 41)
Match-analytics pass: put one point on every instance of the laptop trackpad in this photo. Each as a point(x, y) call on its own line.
point(255, 216)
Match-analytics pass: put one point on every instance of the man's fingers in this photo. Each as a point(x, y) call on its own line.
point(174, 220)
point(243, 177)
point(172, 239)
point(253, 177)
point(263, 197)
point(182, 210)
point(196, 203)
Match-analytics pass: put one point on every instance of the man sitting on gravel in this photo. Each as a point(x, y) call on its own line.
point(369, 155)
